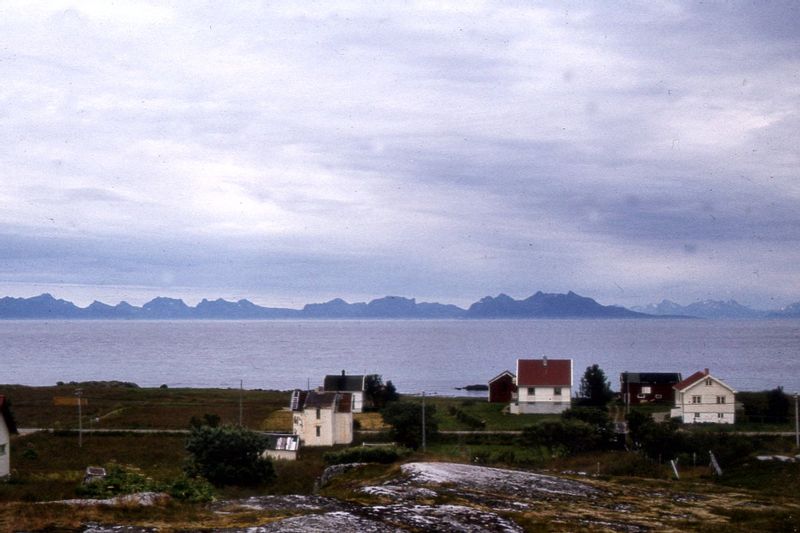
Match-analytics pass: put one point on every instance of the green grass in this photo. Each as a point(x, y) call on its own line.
point(139, 408)
point(491, 413)
point(48, 466)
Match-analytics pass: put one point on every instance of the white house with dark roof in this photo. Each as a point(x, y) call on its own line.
point(355, 384)
point(322, 418)
point(544, 386)
point(703, 398)
point(7, 428)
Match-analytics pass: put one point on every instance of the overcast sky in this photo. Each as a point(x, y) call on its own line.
point(295, 153)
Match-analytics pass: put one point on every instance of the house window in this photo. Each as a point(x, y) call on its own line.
point(708, 382)
point(556, 391)
point(646, 390)
point(641, 396)
point(318, 413)
point(2, 449)
point(696, 415)
point(658, 396)
point(720, 415)
point(720, 399)
point(697, 399)
point(531, 391)
point(318, 431)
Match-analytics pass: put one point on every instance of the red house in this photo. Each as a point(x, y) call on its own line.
point(648, 387)
point(502, 387)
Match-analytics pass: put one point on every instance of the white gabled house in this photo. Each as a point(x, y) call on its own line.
point(7, 428)
point(702, 398)
point(356, 385)
point(544, 386)
point(322, 418)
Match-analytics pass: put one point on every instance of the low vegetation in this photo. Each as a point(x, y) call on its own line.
point(228, 455)
point(366, 454)
point(49, 466)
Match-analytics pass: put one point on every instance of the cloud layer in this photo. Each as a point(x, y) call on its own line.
point(295, 152)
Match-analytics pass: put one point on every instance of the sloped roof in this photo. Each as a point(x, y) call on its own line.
point(544, 372)
point(501, 374)
point(341, 402)
point(691, 380)
point(5, 412)
point(698, 376)
point(651, 378)
point(344, 383)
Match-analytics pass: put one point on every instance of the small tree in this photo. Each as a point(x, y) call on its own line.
point(595, 388)
point(406, 421)
point(777, 405)
point(377, 394)
point(228, 456)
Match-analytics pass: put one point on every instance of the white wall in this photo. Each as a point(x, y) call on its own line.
point(707, 410)
point(334, 428)
point(5, 454)
point(543, 394)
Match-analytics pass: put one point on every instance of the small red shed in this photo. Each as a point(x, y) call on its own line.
point(502, 387)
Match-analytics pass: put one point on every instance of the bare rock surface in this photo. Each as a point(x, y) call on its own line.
point(339, 522)
point(496, 480)
point(399, 492)
point(144, 499)
point(442, 518)
point(289, 502)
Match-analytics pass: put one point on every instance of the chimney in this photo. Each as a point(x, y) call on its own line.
point(544, 360)
point(343, 372)
point(706, 371)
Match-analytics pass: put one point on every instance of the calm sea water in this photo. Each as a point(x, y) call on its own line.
point(435, 355)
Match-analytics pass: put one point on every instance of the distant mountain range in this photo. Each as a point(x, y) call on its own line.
point(539, 305)
point(716, 309)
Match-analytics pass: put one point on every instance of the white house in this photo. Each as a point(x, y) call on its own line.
point(703, 398)
point(7, 428)
point(543, 386)
point(354, 384)
point(322, 418)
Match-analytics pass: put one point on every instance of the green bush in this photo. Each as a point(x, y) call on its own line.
point(365, 454)
point(228, 456)
point(406, 421)
point(122, 479)
point(569, 436)
point(191, 489)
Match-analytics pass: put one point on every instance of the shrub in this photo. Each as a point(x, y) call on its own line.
point(406, 421)
point(228, 456)
point(365, 454)
point(191, 489)
point(122, 479)
point(571, 436)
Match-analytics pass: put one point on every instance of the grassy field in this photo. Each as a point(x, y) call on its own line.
point(114, 407)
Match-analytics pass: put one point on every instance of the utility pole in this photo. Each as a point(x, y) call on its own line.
point(78, 393)
point(796, 423)
point(241, 391)
point(424, 447)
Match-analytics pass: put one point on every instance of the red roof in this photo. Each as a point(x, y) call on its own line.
point(697, 376)
point(544, 372)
